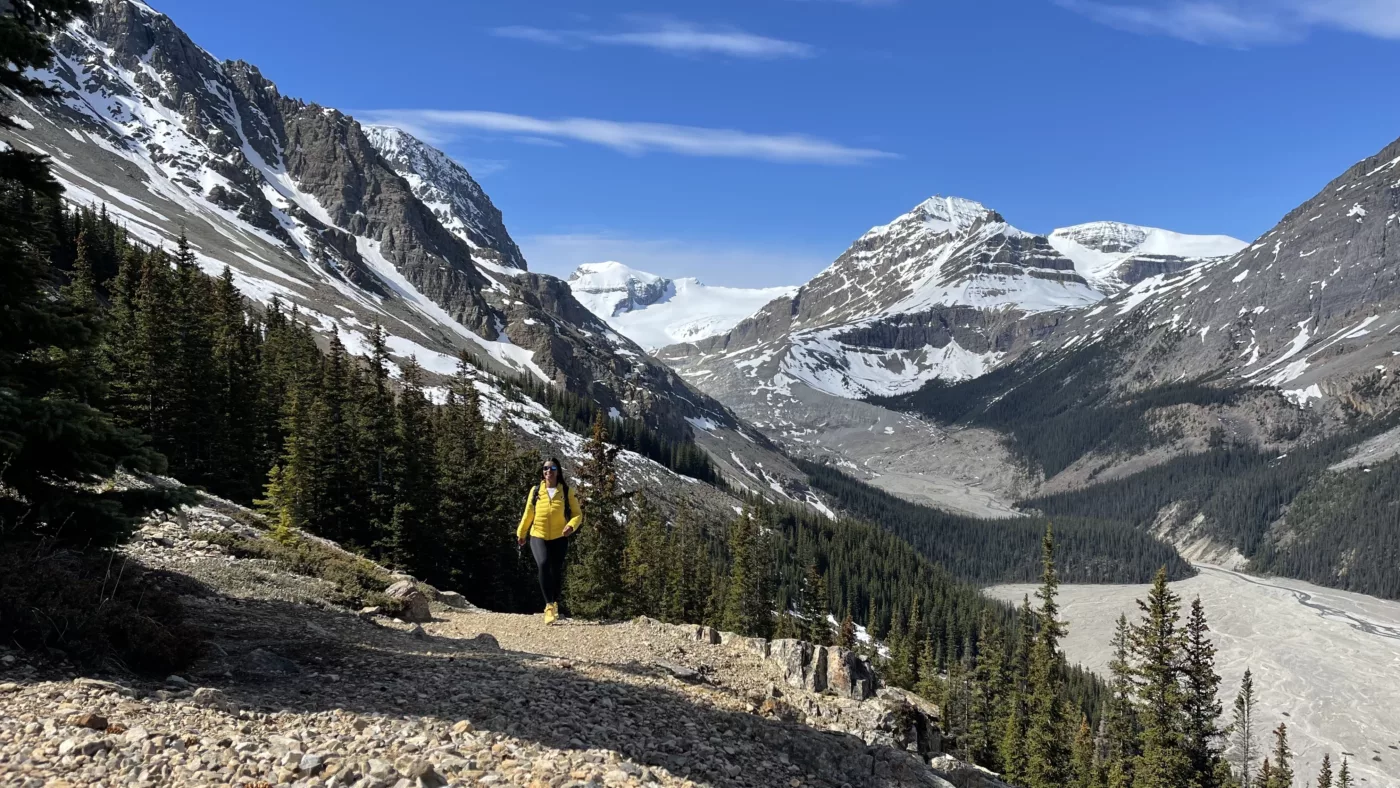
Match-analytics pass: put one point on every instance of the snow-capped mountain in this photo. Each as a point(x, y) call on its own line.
point(450, 192)
point(1311, 308)
point(1112, 255)
point(654, 311)
point(299, 202)
point(944, 291)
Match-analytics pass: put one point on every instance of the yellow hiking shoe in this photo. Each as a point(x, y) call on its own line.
point(551, 613)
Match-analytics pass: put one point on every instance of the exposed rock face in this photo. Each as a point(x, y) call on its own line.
point(847, 675)
point(450, 192)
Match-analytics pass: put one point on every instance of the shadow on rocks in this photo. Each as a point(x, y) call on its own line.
point(274, 656)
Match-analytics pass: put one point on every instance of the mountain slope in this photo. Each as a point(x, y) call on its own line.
point(454, 197)
point(1112, 255)
point(298, 201)
point(654, 311)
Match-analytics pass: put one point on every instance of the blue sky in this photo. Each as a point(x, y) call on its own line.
point(748, 142)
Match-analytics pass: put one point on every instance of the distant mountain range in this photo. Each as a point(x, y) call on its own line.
point(654, 311)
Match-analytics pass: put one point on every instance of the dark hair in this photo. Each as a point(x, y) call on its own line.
point(568, 513)
point(556, 463)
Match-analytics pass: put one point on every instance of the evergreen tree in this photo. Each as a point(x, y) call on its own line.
point(928, 686)
point(1324, 775)
point(595, 587)
point(1120, 727)
point(24, 45)
point(412, 531)
point(645, 559)
point(874, 626)
point(234, 355)
point(1266, 775)
point(1047, 751)
point(1344, 775)
point(1013, 740)
point(375, 441)
point(815, 627)
point(1158, 644)
point(846, 635)
point(748, 601)
point(989, 690)
point(1202, 708)
point(54, 444)
point(1084, 769)
point(1281, 775)
point(1242, 730)
point(483, 554)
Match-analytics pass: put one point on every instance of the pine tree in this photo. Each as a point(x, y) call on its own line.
point(644, 559)
point(1084, 769)
point(53, 442)
point(595, 588)
point(846, 637)
point(1120, 727)
point(815, 627)
point(1012, 747)
point(1158, 644)
point(748, 601)
point(1242, 730)
point(234, 349)
point(928, 686)
point(482, 555)
point(1281, 775)
point(1344, 775)
point(1047, 753)
point(1324, 775)
point(413, 532)
point(989, 689)
point(1266, 775)
point(874, 626)
point(1202, 708)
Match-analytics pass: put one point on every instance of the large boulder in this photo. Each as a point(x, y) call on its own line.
point(847, 675)
point(414, 606)
point(804, 665)
point(902, 720)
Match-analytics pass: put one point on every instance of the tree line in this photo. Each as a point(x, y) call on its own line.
point(1001, 551)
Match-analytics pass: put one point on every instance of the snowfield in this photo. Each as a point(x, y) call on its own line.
point(655, 312)
point(1326, 662)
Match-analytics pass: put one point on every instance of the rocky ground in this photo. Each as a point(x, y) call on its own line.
point(294, 691)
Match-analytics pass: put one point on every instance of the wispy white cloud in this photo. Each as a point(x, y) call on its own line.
point(666, 35)
point(715, 262)
point(440, 126)
point(1244, 22)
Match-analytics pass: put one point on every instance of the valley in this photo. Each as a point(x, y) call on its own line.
point(1324, 661)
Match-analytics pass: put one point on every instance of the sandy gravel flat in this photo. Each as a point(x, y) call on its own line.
point(1326, 662)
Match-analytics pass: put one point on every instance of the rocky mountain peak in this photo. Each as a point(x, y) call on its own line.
point(939, 215)
point(610, 288)
point(450, 192)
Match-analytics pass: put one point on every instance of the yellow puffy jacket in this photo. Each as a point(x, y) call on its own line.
point(544, 516)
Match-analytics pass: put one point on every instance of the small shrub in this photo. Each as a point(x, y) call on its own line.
point(358, 582)
point(99, 609)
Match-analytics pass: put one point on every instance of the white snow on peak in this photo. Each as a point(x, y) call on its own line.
point(654, 311)
point(937, 215)
point(951, 214)
point(1099, 248)
point(608, 275)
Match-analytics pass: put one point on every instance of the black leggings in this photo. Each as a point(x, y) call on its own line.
point(549, 557)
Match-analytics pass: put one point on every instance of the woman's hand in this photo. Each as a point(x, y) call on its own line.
point(568, 530)
point(520, 542)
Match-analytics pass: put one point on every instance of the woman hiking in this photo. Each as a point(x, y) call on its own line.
point(552, 515)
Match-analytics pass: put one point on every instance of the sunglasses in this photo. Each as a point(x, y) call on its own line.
point(549, 468)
